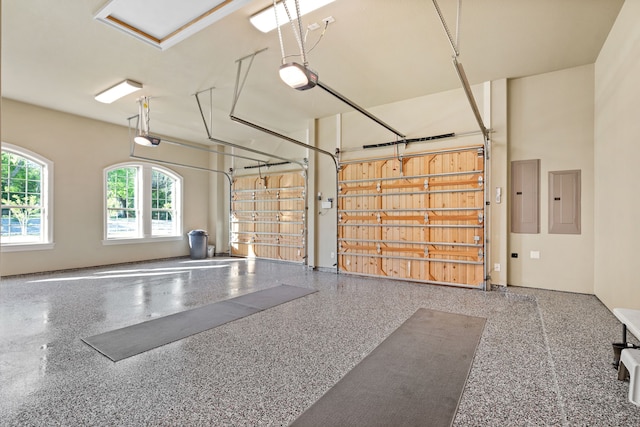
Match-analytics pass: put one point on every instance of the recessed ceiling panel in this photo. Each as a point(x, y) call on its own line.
point(164, 23)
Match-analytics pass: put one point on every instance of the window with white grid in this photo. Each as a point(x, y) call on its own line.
point(26, 199)
point(142, 201)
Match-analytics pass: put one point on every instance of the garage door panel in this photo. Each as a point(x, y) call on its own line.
point(416, 218)
point(267, 217)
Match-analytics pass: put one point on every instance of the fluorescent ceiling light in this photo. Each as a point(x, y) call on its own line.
point(298, 76)
point(265, 20)
point(118, 91)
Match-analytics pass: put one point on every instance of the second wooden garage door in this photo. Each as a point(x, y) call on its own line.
point(268, 217)
point(419, 217)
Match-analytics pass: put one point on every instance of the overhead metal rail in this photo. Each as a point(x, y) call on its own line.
point(352, 104)
point(238, 90)
point(194, 147)
point(460, 70)
point(238, 146)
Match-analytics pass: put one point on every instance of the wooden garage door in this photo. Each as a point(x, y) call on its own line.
point(419, 218)
point(267, 217)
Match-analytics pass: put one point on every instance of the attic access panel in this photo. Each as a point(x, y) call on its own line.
point(164, 23)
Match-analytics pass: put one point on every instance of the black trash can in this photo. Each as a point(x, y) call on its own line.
point(198, 241)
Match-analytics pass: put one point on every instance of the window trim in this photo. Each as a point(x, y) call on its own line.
point(46, 198)
point(143, 201)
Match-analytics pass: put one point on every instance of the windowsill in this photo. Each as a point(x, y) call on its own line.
point(136, 240)
point(23, 247)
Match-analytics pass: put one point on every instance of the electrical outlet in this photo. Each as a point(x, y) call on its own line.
point(333, 255)
point(496, 266)
point(535, 254)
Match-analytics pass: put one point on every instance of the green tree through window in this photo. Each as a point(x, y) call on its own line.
point(121, 202)
point(22, 199)
point(162, 191)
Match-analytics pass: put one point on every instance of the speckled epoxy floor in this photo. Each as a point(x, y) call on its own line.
point(544, 358)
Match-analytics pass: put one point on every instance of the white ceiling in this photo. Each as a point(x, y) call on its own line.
point(56, 55)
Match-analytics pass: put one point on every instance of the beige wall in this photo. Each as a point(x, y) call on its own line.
point(498, 246)
point(617, 150)
point(551, 119)
point(80, 149)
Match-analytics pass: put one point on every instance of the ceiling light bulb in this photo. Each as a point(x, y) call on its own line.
point(147, 140)
point(123, 88)
point(298, 76)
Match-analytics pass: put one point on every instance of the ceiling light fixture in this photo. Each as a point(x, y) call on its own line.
point(123, 88)
point(298, 76)
point(147, 140)
point(266, 20)
point(143, 137)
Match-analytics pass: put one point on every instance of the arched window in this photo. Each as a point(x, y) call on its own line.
point(27, 217)
point(142, 201)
